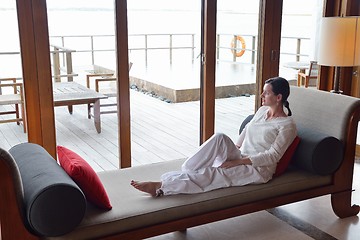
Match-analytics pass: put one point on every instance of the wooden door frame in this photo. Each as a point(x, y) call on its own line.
point(208, 68)
point(36, 66)
point(270, 16)
point(123, 93)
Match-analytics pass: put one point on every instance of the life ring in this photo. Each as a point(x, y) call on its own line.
point(234, 44)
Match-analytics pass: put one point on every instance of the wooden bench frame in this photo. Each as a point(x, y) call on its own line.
point(12, 226)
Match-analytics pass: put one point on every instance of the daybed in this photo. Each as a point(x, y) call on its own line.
point(327, 126)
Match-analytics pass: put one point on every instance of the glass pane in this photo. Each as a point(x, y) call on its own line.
point(82, 42)
point(300, 25)
point(237, 35)
point(11, 132)
point(164, 41)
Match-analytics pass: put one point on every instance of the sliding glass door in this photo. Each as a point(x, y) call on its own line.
point(164, 48)
point(83, 64)
point(236, 63)
point(12, 131)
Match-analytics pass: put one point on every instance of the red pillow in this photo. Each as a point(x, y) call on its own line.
point(286, 158)
point(84, 176)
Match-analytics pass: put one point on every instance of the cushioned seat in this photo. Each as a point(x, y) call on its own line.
point(137, 215)
point(133, 209)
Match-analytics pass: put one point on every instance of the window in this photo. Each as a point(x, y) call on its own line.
point(237, 36)
point(11, 67)
point(164, 38)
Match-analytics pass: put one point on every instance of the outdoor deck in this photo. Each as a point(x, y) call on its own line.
point(160, 131)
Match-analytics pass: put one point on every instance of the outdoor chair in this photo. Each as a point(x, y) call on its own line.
point(312, 73)
point(10, 101)
point(105, 85)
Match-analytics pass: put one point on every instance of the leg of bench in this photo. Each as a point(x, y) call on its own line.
point(341, 204)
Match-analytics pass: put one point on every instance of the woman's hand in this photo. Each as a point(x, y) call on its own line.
point(230, 163)
point(236, 162)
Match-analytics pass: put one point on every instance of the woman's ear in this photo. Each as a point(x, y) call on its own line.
point(279, 97)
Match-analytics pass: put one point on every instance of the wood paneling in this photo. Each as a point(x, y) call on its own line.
point(122, 72)
point(35, 55)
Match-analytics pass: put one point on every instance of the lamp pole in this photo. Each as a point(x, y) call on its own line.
point(337, 81)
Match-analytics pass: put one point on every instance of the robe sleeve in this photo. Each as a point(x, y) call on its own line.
point(243, 133)
point(241, 137)
point(285, 137)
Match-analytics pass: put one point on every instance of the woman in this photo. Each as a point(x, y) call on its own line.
point(219, 162)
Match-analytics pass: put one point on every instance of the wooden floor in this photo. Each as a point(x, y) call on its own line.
point(160, 131)
point(163, 131)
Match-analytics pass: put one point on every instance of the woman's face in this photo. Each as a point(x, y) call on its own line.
point(268, 97)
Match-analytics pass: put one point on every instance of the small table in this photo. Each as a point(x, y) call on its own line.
point(72, 93)
point(301, 66)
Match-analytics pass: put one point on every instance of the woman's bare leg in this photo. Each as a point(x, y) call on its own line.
point(148, 187)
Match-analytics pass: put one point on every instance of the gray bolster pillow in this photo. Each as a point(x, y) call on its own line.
point(53, 203)
point(317, 152)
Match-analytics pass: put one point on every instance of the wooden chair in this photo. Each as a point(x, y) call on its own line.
point(13, 98)
point(312, 73)
point(109, 90)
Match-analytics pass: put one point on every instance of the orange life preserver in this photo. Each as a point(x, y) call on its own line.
point(233, 45)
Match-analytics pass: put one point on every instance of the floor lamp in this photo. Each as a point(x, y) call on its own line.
point(339, 44)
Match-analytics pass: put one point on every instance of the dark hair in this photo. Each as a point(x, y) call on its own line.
point(281, 86)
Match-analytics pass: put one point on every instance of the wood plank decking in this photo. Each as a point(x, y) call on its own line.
point(160, 131)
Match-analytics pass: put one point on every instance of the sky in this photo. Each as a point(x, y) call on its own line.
point(228, 5)
point(290, 6)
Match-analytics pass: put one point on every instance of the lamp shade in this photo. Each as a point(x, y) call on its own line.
point(339, 43)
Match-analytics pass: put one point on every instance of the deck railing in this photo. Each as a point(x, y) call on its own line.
point(64, 64)
point(220, 45)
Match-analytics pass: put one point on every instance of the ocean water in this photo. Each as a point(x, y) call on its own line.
point(79, 18)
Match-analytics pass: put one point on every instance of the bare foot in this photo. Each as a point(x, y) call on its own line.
point(148, 187)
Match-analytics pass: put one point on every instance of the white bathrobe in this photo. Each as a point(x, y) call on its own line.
point(263, 140)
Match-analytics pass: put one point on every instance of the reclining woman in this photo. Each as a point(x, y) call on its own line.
point(220, 163)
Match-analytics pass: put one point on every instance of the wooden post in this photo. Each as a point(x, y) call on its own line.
point(35, 55)
point(171, 48)
point(146, 50)
point(193, 47)
point(268, 44)
point(207, 89)
point(234, 48)
point(253, 50)
point(217, 46)
point(92, 50)
point(122, 74)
